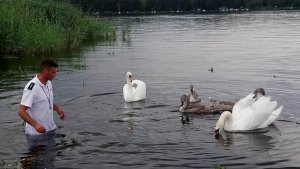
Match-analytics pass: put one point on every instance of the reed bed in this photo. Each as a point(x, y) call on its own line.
point(44, 26)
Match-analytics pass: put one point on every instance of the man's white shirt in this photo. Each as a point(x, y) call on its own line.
point(39, 100)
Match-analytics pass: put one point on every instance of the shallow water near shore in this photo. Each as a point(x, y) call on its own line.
point(168, 53)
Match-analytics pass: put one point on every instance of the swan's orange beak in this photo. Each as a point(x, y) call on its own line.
point(217, 133)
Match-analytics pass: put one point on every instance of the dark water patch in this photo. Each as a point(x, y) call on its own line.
point(237, 158)
point(179, 166)
point(156, 106)
point(102, 151)
point(59, 135)
point(272, 162)
point(8, 96)
point(131, 165)
point(235, 164)
point(14, 103)
point(109, 144)
point(72, 99)
point(60, 126)
point(104, 94)
point(67, 144)
point(135, 108)
point(91, 133)
point(153, 120)
point(288, 121)
point(116, 121)
point(125, 164)
point(162, 159)
point(86, 140)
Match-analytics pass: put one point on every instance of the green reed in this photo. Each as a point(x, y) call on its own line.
point(218, 166)
point(43, 26)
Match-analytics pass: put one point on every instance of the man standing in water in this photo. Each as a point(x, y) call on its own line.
point(36, 107)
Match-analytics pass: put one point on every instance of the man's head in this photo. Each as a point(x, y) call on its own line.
point(48, 68)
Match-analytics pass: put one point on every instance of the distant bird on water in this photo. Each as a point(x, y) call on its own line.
point(211, 69)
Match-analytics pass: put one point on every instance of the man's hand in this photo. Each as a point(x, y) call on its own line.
point(39, 128)
point(61, 113)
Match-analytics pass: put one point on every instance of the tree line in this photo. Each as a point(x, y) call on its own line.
point(125, 6)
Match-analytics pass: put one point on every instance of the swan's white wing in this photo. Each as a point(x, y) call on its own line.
point(246, 101)
point(241, 112)
point(242, 104)
point(249, 114)
point(139, 89)
point(262, 109)
point(274, 115)
point(127, 93)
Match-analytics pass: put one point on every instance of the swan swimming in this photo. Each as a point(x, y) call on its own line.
point(254, 111)
point(217, 106)
point(194, 95)
point(134, 90)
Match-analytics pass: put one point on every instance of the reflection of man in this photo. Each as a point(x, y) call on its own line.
point(37, 106)
point(42, 153)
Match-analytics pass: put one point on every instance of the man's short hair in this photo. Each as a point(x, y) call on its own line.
point(47, 64)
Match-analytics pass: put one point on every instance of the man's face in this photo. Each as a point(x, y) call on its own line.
point(51, 73)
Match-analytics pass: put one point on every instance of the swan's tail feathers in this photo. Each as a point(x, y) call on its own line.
point(274, 115)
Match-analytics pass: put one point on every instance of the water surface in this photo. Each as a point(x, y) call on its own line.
point(168, 53)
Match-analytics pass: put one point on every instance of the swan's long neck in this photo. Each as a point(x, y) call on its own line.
point(129, 90)
point(184, 102)
point(225, 121)
point(192, 91)
point(129, 82)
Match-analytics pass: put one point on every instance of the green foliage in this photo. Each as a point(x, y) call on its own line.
point(34, 26)
point(218, 166)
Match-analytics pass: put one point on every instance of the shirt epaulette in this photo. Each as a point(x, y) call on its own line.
point(31, 86)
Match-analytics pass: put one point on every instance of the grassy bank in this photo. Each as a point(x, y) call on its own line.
point(43, 26)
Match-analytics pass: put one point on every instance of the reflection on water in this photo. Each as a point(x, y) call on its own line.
point(44, 150)
point(39, 157)
point(169, 53)
point(133, 112)
point(258, 141)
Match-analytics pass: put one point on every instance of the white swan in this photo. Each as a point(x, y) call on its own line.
point(134, 90)
point(249, 113)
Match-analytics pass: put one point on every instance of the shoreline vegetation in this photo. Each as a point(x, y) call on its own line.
point(30, 27)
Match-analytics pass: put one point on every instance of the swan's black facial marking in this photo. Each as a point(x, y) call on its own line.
point(130, 77)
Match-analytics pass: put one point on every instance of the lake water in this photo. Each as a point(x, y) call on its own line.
point(169, 53)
